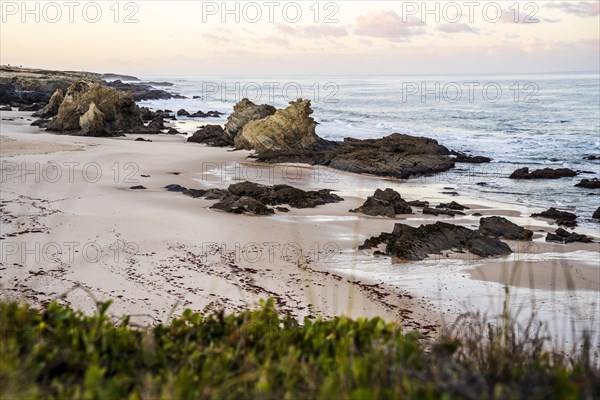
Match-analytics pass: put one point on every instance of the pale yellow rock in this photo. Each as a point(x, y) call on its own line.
point(291, 128)
point(92, 121)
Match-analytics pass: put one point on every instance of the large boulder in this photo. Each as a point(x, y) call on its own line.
point(291, 128)
point(243, 112)
point(546, 173)
point(596, 214)
point(51, 109)
point(119, 110)
point(211, 135)
point(409, 243)
point(501, 227)
point(386, 203)
point(397, 155)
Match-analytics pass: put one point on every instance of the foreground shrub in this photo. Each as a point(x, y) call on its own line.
point(58, 352)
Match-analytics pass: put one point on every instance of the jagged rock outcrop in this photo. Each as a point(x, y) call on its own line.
point(501, 227)
point(51, 109)
point(243, 112)
point(385, 203)
point(254, 198)
point(88, 103)
point(561, 217)
point(409, 243)
point(291, 128)
point(546, 173)
point(589, 183)
point(596, 214)
point(563, 236)
point(211, 135)
point(397, 155)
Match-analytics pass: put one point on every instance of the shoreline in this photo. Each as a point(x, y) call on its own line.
point(106, 212)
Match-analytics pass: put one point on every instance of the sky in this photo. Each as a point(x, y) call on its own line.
point(266, 38)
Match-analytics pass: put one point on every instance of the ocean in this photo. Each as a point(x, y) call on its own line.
point(550, 120)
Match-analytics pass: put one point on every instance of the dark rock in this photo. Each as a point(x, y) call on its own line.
point(386, 203)
point(397, 155)
point(209, 114)
point(142, 91)
point(501, 227)
point(145, 176)
point(596, 214)
point(418, 203)
point(239, 205)
point(551, 237)
point(141, 139)
point(591, 158)
point(416, 244)
point(464, 158)
point(175, 188)
point(561, 217)
point(451, 193)
point(211, 135)
point(452, 206)
point(111, 76)
point(481, 184)
point(566, 237)
point(589, 183)
point(546, 173)
point(195, 193)
point(32, 107)
point(439, 211)
point(51, 109)
point(138, 187)
point(243, 112)
point(476, 214)
point(42, 123)
point(183, 113)
point(282, 209)
point(173, 131)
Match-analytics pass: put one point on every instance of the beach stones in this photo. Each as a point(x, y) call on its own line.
point(546, 173)
point(385, 203)
point(501, 227)
point(561, 217)
point(415, 244)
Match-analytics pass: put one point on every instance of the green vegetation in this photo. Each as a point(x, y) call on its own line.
point(61, 353)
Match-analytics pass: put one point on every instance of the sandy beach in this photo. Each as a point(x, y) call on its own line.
point(69, 216)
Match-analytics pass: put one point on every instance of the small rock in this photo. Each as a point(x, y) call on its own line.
point(546, 173)
point(589, 183)
point(138, 187)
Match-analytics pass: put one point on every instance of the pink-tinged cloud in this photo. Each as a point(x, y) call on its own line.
point(216, 38)
point(517, 17)
point(323, 30)
point(582, 9)
point(457, 28)
point(389, 25)
point(312, 31)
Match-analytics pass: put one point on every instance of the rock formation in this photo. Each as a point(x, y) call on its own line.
point(289, 129)
point(243, 112)
point(546, 173)
point(87, 105)
point(561, 217)
point(501, 227)
point(51, 109)
point(211, 135)
point(596, 214)
point(386, 203)
point(563, 236)
point(589, 183)
point(409, 243)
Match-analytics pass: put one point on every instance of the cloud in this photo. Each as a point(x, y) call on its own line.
point(552, 20)
point(457, 28)
point(313, 31)
point(216, 38)
point(277, 40)
point(582, 9)
point(389, 25)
